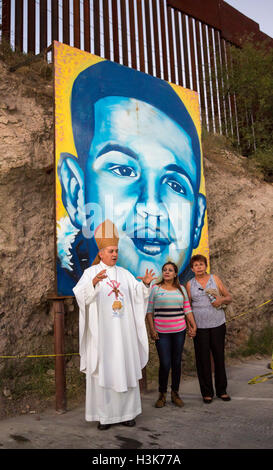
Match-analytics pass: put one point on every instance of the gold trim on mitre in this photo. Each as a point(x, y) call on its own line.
point(106, 234)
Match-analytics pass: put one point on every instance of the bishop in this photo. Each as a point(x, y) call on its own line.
point(113, 339)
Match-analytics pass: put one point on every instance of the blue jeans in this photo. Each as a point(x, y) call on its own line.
point(170, 347)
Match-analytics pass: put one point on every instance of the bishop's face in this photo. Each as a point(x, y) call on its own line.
point(141, 172)
point(109, 255)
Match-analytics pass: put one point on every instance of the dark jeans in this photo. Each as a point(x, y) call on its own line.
point(170, 347)
point(206, 340)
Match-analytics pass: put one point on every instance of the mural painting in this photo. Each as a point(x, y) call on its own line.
point(127, 149)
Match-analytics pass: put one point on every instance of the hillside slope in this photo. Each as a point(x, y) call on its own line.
point(240, 215)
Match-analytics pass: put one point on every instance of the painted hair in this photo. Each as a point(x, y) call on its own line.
point(108, 78)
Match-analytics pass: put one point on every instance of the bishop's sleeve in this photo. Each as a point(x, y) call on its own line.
point(140, 302)
point(84, 289)
point(86, 294)
point(142, 292)
point(151, 301)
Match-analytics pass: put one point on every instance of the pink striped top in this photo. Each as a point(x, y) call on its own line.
point(169, 308)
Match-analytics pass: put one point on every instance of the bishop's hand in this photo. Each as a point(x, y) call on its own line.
point(99, 277)
point(148, 278)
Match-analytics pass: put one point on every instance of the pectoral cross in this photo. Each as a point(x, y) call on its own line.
point(115, 288)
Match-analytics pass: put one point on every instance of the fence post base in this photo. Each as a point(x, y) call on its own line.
point(60, 380)
point(143, 381)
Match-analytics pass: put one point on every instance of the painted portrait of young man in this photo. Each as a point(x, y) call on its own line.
point(137, 161)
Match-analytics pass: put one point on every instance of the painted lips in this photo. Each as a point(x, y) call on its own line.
point(151, 246)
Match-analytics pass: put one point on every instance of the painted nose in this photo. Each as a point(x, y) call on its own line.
point(149, 203)
point(151, 209)
point(154, 216)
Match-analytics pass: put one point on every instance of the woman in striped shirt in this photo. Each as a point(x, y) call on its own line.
point(168, 314)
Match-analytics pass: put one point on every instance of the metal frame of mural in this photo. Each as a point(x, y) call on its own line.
point(128, 148)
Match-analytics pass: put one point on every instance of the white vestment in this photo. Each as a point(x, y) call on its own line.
point(113, 347)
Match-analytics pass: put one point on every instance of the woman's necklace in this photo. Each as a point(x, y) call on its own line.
point(203, 280)
point(171, 287)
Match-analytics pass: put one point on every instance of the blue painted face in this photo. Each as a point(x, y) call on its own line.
point(142, 173)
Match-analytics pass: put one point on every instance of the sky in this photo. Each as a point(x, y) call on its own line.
point(260, 11)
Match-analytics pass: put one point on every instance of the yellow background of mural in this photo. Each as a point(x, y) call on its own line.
point(68, 63)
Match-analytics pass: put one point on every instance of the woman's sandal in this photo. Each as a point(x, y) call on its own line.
point(207, 400)
point(224, 397)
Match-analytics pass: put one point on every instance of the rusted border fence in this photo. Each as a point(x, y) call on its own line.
point(177, 40)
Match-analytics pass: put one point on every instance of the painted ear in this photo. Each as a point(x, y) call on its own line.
point(201, 210)
point(72, 182)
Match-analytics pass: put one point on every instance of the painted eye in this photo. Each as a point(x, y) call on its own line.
point(123, 170)
point(175, 186)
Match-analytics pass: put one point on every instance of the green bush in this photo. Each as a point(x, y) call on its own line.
point(264, 161)
point(258, 343)
point(250, 80)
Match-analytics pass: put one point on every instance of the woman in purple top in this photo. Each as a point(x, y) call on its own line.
point(211, 328)
point(168, 314)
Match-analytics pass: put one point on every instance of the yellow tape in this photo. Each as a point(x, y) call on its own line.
point(245, 313)
point(260, 378)
point(268, 376)
point(77, 354)
point(264, 377)
point(41, 355)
